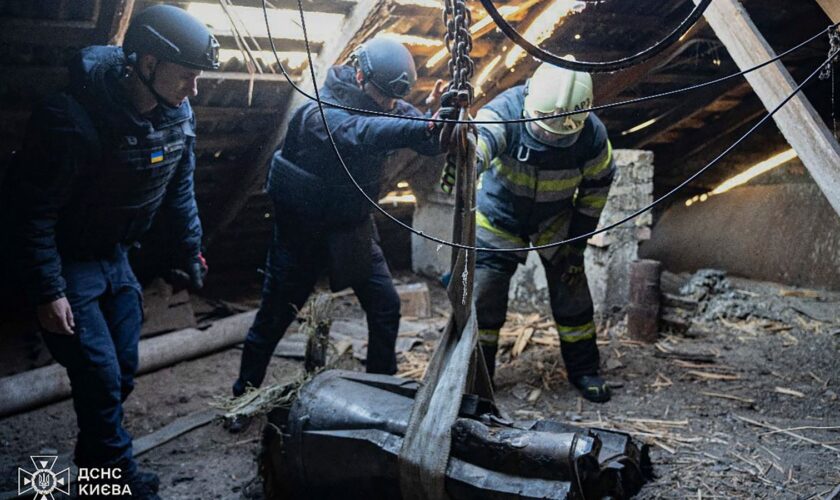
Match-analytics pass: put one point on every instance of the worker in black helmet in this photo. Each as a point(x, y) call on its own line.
point(100, 160)
point(322, 223)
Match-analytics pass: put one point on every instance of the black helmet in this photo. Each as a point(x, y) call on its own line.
point(173, 35)
point(387, 64)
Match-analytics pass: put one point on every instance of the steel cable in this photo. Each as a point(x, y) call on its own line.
point(626, 102)
point(592, 66)
point(628, 218)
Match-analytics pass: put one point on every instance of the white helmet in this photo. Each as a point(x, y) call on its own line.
point(552, 90)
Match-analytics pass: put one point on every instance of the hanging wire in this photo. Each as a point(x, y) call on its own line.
point(630, 217)
point(593, 66)
point(433, 119)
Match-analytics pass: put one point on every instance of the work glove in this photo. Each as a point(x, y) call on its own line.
point(574, 272)
point(191, 275)
point(448, 132)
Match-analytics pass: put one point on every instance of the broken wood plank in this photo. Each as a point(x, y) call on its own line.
point(789, 392)
point(786, 432)
point(728, 396)
point(415, 300)
point(173, 430)
point(686, 356)
point(798, 121)
point(714, 376)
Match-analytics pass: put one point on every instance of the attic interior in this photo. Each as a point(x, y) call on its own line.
point(736, 391)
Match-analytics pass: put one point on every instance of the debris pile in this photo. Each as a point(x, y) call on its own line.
point(710, 296)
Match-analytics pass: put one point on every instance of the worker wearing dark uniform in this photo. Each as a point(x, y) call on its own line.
point(542, 181)
point(100, 161)
point(322, 223)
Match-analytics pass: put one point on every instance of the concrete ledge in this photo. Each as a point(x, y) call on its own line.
point(787, 233)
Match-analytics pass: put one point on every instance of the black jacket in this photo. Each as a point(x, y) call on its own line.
point(306, 179)
point(92, 174)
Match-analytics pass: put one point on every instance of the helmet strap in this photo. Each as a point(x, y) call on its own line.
point(150, 85)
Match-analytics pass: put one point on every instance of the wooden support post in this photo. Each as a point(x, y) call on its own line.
point(643, 310)
point(332, 50)
point(832, 8)
point(798, 121)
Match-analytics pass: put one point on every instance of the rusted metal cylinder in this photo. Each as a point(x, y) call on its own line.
point(643, 310)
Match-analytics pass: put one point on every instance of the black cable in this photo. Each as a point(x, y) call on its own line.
point(556, 243)
point(523, 119)
point(592, 66)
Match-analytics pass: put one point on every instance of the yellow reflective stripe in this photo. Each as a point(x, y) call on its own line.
point(484, 151)
point(558, 184)
point(595, 200)
point(517, 178)
point(497, 130)
point(488, 336)
point(585, 331)
point(596, 168)
point(551, 231)
point(483, 222)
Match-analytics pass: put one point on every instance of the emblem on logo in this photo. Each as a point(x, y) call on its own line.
point(43, 481)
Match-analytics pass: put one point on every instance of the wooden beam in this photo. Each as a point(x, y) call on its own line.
point(243, 76)
point(228, 41)
point(708, 139)
point(690, 107)
point(328, 6)
point(48, 32)
point(831, 8)
point(798, 121)
point(333, 49)
point(123, 9)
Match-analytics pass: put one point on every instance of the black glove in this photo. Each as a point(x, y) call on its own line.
point(574, 271)
point(191, 275)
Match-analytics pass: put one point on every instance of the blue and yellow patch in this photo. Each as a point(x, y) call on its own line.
point(156, 156)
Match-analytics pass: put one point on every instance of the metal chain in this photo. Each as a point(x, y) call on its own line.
point(829, 70)
point(457, 18)
point(834, 48)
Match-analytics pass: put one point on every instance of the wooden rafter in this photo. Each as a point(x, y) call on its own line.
point(332, 51)
point(798, 121)
point(832, 8)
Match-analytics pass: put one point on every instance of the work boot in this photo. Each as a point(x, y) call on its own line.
point(592, 387)
point(144, 486)
point(237, 423)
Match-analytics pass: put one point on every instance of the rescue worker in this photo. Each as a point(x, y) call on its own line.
point(100, 161)
point(542, 181)
point(322, 223)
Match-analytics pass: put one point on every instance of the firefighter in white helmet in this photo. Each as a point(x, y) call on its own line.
point(541, 182)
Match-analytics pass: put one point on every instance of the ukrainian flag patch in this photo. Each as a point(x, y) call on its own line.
point(156, 156)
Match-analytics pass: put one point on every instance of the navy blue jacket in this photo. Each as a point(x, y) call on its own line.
point(536, 192)
point(306, 179)
point(93, 173)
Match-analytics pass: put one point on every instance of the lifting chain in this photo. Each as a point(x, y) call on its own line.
point(828, 71)
point(457, 18)
point(834, 48)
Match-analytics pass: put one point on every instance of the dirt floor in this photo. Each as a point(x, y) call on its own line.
point(744, 404)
